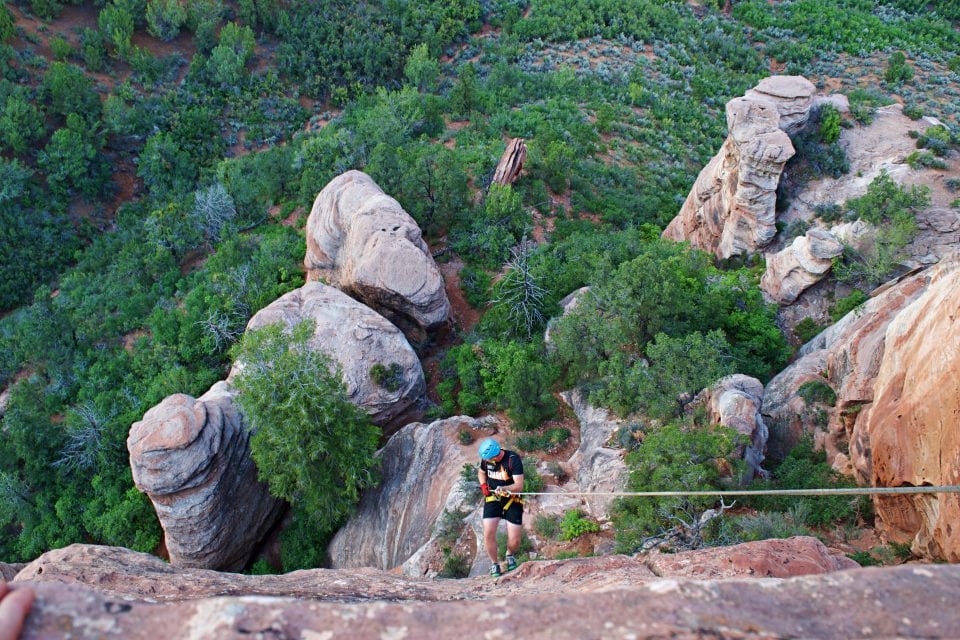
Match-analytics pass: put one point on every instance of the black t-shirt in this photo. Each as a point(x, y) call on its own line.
point(500, 474)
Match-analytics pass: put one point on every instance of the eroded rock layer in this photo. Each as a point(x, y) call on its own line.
point(361, 241)
point(799, 266)
point(100, 592)
point(735, 401)
point(192, 458)
point(913, 425)
point(731, 209)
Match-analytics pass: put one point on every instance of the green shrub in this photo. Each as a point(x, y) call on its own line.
point(8, 26)
point(116, 24)
point(164, 18)
point(845, 305)
point(455, 565)
point(829, 212)
point(532, 480)
point(806, 330)
point(924, 160)
point(390, 378)
point(465, 436)
point(547, 525)
point(913, 111)
point(449, 527)
point(21, 124)
point(897, 69)
point(576, 524)
point(760, 526)
point(566, 555)
point(819, 392)
point(829, 124)
point(60, 47)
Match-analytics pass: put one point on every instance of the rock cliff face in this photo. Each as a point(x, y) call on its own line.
point(735, 401)
point(361, 241)
point(511, 162)
point(421, 466)
point(801, 265)
point(910, 433)
point(192, 458)
point(356, 338)
point(102, 592)
point(731, 208)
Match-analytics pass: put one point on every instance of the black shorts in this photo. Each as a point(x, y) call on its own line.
point(494, 509)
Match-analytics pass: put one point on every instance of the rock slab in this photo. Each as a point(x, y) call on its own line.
point(736, 401)
point(133, 596)
point(361, 241)
point(192, 458)
point(799, 266)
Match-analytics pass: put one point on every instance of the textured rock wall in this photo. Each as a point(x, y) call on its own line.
point(799, 266)
point(192, 458)
point(735, 401)
point(361, 241)
point(731, 209)
point(420, 467)
point(913, 425)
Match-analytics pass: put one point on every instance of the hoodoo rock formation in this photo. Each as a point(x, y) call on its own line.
point(361, 241)
point(191, 457)
point(356, 338)
point(911, 429)
point(731, 209)
point(735, 401)
point(420, 466)
point(103, 592)
point(799, 266)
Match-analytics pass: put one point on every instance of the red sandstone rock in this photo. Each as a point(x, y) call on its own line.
point(95, 592)
point(913, 425)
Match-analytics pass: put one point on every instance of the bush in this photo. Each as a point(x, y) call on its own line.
point(806, 330)
point(311, 445)
point(897, 69)
point(228, 60)
point(390, 378)
point(21, 124)
point(455, 565)
point(69, 90)
point(547, 525)
point(845, 305)
point(576, 524)
point(829, 124)
point(164, 18)
point(8, 26)
point(816, 391)
point(913, 111)
point(116, 24)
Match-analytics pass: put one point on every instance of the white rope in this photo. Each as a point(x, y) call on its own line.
point(844, 491)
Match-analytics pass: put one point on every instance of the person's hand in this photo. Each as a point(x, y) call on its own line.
point(485, 489)
point(503, 493)
point(14, 607)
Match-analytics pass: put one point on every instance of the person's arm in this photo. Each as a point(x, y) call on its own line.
point(482, 479)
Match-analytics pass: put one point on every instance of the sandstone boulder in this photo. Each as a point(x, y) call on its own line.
point(731, 208)
point(361, 241)
point(511, 162)
point(801, 265)
point(420, 469)
point(356, 338)
point(599, 467)
point(846, 357)
point(8, 571)
point(87, 592)
point(192, 458)
point(798, 556)
point(735, 401)
point(912, 425)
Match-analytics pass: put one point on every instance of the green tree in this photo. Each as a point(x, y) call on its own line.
point(21, 124)
point(227, 63)
point(116, 24)
point(8, 26)
point(166, 169)
point(897, 69)
point(73, 162)
point(673, 457)
point(464, 96)
point(312, 446)
point(165, 17)
point(69, 90)
point(829, 124)
point(421, 69)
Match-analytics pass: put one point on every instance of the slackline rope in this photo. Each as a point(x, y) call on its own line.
point(845, 491)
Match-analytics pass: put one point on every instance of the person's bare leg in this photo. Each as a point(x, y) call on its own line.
point(490, 537)
point(14, 607)
point(513, 538)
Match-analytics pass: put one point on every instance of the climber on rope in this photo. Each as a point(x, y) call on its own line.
point(501, 476)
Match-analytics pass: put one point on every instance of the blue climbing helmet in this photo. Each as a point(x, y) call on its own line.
point(489, 448)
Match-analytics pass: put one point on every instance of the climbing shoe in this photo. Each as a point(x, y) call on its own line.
point(495, 570)
point(511, 563)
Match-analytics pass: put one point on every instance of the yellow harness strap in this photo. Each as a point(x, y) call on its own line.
point(513, 498)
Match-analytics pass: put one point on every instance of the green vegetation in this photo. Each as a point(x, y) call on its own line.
point(138, 191)
point(575, 524)
point(312, 446)
point(816, 391)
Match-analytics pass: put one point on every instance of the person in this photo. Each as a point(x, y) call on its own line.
point(14, 606)
point(501, 476)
